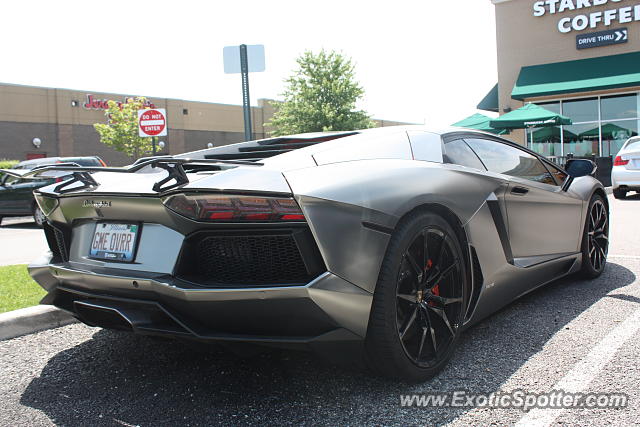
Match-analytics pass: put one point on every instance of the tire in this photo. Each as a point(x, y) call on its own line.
point(595, 238)
point(38, 216)
point(396, 345)
point(619, 194)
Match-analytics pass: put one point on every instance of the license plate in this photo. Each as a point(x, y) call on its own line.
point(114, 242)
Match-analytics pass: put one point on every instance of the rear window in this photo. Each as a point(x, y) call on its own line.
point(634, 145)
point(83, 161)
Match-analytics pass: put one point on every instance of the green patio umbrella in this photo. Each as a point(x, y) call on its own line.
point(551, 132)
point(609, 131)
point(478, 122)
point(531, 115)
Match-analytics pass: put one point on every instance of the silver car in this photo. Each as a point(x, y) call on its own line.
point(380, 246)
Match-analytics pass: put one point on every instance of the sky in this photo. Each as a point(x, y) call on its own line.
point(422, 61)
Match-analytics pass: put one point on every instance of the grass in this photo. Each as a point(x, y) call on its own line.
point(17, 289)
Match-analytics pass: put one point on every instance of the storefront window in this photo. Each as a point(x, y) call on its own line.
point(545, 141)
point(601, 125)
point(582, 110)
point(582, 139)
point(615, 134)
point(619, 107)
point(551, 106)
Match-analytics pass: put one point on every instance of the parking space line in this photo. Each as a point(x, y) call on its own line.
point(624, 256)
point(579, 377)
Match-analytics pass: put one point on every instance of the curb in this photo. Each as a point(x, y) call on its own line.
point(32, 319)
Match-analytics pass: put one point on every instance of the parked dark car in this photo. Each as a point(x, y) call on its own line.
point(16, 194)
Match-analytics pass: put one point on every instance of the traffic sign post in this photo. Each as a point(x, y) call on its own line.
point(244, 59)
point(152, 123)
point(246, 106)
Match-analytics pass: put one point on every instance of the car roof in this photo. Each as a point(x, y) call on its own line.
point(33, 163)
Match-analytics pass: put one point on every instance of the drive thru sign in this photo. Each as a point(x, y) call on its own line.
point(152, 122)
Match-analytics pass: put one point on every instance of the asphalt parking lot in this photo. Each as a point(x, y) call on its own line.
point(77, 375)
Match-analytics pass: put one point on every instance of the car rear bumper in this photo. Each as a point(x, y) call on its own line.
point(623, 177)
point(327, 310)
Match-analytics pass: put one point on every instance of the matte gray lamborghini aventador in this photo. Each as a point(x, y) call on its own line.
point(383, 243)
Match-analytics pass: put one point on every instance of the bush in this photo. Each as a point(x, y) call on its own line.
point(7, 164)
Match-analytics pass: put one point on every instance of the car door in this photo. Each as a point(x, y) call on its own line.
point(5, 207)
point(9, 204)
point(17, 196)
point(542, 219)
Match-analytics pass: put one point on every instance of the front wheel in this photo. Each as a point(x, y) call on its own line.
point(38, 216)
point(419, 301)
point(595, 239)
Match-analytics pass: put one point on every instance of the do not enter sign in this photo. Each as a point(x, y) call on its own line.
point(152, 122)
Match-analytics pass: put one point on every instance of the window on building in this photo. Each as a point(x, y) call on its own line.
point(507, 160)
point(615, 134)
point(600, 127)
point(546, 140)
point(551, 106)
point(582, 140)
point(459, 153)
point(619, 107)
point(581, 110)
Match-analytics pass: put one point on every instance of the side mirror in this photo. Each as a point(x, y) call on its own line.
point(577, 168)
point(580, 167)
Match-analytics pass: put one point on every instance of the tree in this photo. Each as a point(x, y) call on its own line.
point(121, 130)
point(321, 95)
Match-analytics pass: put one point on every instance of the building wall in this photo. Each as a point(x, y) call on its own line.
point(524, 40)
point(63, 120)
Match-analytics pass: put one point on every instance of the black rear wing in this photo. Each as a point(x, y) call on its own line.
point(174, 167)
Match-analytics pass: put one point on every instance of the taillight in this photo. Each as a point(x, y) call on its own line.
point(211, 207)
point(619, 162)
point(46, 204)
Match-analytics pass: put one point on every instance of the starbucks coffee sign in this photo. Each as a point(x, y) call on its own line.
point(583, 17)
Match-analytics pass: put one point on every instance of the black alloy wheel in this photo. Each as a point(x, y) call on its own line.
point(429, 298)
point(419, 301)
point(595, 244)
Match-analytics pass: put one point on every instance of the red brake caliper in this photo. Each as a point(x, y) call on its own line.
point(436, 289)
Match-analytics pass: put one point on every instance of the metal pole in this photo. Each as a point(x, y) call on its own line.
point(246, 105)
point(153, 143)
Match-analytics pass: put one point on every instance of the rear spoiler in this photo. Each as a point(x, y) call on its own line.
point(82, 174)
point(27, 173)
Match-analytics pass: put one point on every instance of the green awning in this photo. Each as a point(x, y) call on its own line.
point(531, 115)
point(478, 122)
point(490, 101)
point(582, 75)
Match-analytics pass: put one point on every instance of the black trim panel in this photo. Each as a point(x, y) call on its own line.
point(501, 228)
point(377, 227)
